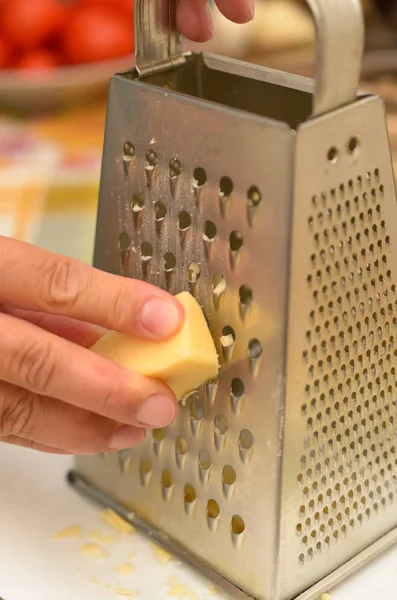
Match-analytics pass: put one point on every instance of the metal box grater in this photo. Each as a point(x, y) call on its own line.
point(273, 201)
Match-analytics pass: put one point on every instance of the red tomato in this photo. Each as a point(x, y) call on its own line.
point(126, 6)
point(38, 60)
point(94, 33)
point(5, 54)
point(30, 23)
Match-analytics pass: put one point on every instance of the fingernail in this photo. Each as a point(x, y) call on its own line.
point(156, 411)
point(160, 317)
point(126, 437)
point(251, 8)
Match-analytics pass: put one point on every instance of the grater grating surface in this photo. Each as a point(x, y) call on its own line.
point(350, 343)
point(282, 227)
point(341, 399)
point(227, 457)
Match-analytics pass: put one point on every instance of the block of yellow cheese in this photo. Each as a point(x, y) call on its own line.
point(183, 362)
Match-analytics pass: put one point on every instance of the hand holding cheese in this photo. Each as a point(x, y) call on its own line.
point(183, 362)
point(55, 394)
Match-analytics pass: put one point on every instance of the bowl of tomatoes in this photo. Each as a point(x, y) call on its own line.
point(57, 52)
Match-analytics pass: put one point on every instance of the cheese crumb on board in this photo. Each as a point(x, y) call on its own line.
point(69, 532)
point(180, 590)
point(325, 597)
point(184, 362)
point(162, 555)
point(94, 581)
point(114, 520)
point(126, 593)
point(212, 590)
point(125, 569)
point(93, 551)
point(100, 537)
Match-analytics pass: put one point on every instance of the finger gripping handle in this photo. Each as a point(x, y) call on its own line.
point(340, 44)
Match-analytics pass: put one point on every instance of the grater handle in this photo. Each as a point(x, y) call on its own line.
point(157, 40)
point(340, 40)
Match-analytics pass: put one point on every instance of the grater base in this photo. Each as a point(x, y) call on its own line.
point(325, 585)
point(87, 489)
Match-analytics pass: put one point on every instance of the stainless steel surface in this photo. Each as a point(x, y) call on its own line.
point(218, 179)
point(340, 41)
point(339, 449)
point(171, 126)
point(157, 41)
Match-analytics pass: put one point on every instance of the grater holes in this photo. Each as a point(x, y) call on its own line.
point(255, 352)
point(160, 211)
point(169, 262)
point(145, 471)
point(254, 349)
point(146, 251)
point(236, 241)
point(347, 353)
point(137, 203)
point(219, 286)
point(254, 197)
point(204, 464)
point(237, 391)
point(209, 237)
point(220, 431)
point(228, 475)
point(181, 449)
point(333, 155)
point(175, 168)
point(353, 145)
point(151, 160)
point(124, 241)
point(158, 439)
point(225, 187)
point(128, 159)
point(238, 525)
point(246, 298)
point(227, 340)
point(184, 221)
point(238, 529)
point(213, 512)
point(167, 484)
point(228, 480)
point(196, 415)
point(246, 443)
point(193, 272)
point(128, 151)
point(189, 498)
point(199, 177)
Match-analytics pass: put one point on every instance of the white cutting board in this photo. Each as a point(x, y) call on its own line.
point(36, 503)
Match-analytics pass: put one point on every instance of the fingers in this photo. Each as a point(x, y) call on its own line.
point(16, 441)
point(40, 281)
point(195, 20)
point(51, 366)
point(74, 331)
point(41, 422)
point(239, 11)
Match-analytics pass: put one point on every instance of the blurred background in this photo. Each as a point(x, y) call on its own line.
point(56, 57)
